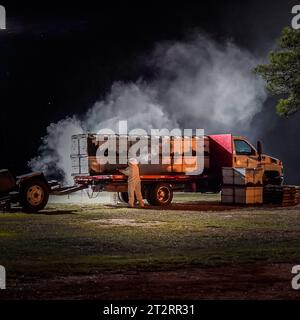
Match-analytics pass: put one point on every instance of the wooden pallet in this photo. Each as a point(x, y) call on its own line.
point(283, 195)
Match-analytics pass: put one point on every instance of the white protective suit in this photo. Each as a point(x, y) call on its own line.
point(134, 183)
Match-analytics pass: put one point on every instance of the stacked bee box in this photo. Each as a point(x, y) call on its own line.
point(297, 197)
point(273, 194)
point(242, 185)
point(289, 196)
point(85, 159)
point(284, 195)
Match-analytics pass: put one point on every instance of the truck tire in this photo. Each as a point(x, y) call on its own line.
point(160, 195)
point(272, 177)
point(34, 195)
point(123, 196)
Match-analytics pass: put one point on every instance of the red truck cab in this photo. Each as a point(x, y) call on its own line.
point(227, 150)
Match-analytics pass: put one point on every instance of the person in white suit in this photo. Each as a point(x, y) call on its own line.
point(134, 182)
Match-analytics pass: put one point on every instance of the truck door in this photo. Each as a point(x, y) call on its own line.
point(244, 154)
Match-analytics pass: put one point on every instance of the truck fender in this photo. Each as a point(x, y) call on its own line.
point(26, 177)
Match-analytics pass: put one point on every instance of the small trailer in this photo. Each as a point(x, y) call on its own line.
point(30, 190)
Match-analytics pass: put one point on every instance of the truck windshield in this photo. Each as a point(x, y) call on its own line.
point(243, 148)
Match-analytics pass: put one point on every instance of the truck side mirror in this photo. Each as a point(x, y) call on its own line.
point(259, 150)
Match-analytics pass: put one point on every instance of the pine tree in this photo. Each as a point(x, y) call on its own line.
point(282, 74)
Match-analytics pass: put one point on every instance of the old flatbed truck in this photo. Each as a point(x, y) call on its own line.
point(158, 181)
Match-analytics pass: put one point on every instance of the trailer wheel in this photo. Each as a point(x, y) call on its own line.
point(123, 196)
point(34, 195)
point(160, 195)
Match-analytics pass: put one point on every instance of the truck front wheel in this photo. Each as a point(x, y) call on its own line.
point(34, 195)
point(160, 195)
point(272, 177)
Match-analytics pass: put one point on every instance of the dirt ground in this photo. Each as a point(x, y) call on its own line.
point(194, 249)
point(250, 281)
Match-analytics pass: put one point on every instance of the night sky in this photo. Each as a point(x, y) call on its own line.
point(57, 60)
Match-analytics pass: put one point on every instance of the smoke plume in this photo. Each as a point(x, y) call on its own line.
point(199, 83)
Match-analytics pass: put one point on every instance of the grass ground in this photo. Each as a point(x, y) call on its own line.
point(105, 251)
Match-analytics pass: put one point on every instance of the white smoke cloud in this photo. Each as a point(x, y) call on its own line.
point(136, 102)
point(208, 85)
point(54, 153)
point(199, 84)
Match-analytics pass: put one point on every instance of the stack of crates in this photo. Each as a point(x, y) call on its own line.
point(297, 197)
point(282, 195)
point(84, 159)
point(290, 196)
point(242, 185)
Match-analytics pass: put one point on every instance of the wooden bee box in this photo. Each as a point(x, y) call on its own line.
point(242, 176)
point(242, 195)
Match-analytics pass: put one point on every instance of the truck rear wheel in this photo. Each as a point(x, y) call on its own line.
point(124, 197)
point(34, 195)
point(160, 195)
